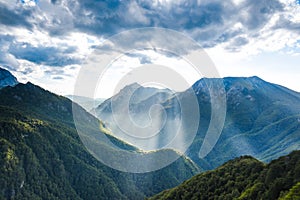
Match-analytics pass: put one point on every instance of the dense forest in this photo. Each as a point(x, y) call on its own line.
point(243, 178)
point(42, 156)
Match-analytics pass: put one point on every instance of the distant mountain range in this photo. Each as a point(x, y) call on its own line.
point(262, 119)
point(243, 178)
point(42, 156)
point(7, 79)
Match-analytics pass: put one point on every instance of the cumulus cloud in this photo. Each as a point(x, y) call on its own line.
point(210, 22)
point(61, 33)
point(7, 59)
point(15, 17)
point(44, 55)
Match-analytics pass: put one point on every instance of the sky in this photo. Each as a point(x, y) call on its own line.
point(48, 42)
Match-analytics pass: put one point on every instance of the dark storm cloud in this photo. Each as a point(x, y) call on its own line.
point(52, 56)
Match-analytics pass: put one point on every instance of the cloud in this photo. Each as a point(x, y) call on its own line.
point(284, 23)
point(143, 58)
point(16, 17)
point(210, 22)
point(44, 55)
point(58, 78)
point(7, 59)
point(237, 43)
point(54, 71)
point(256, 13)
point(55, 18)
point(27, 70)
point(49, 34)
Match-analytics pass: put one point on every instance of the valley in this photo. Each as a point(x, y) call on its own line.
point(43, 156)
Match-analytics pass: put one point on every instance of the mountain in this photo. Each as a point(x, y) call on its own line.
point(42, 156)
point(87, 103)
point(126, 113)
point(6, 78)
point(261, 119)
point(134, 94)
point(243, 178)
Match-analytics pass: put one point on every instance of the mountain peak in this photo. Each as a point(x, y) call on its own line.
point(134, 85)
point(6, 78)
point(256, 79)
point(138, 92)
point(252, 81)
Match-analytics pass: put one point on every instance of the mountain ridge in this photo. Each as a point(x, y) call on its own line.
point(40, 144)
point(256, 112)
point(243, 178)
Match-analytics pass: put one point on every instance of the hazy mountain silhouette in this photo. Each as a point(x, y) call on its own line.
point(261, 118)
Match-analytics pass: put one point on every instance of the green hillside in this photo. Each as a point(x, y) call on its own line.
point(262, 120)
point(243, 178)
point(42, 156)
